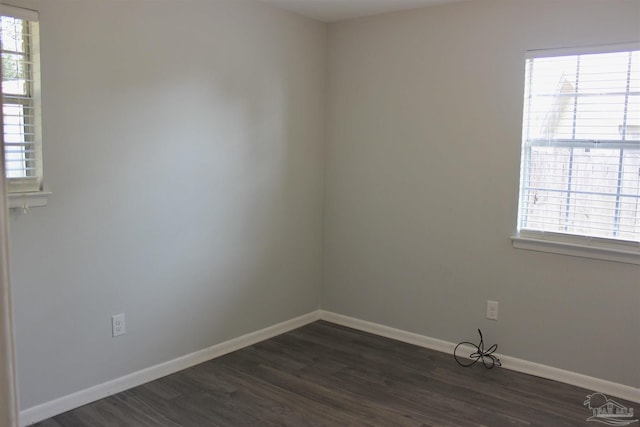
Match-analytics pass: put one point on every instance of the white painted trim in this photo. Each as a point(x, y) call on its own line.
point(388, 332)
point(583, 50)
point(66, 403)
point(49, 409)
point(512, 363)
point(27, 201)
point(609, 388)
point(19, 12)
point(8, 381)
point(630, 256)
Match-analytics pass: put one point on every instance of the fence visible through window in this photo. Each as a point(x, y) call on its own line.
point(581, 146)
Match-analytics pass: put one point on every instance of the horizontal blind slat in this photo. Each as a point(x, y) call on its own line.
point(581, 144)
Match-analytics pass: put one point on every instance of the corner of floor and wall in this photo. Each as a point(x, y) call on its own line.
point(421, 187)
point(250, 171)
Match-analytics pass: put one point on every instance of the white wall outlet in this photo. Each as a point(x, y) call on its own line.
point(118, 325)
point(492, 310)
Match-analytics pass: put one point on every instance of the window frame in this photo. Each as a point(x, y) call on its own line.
point(26, 192)
point(624, 251)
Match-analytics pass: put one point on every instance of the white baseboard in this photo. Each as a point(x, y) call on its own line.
point(512, 363)
point(66, 403)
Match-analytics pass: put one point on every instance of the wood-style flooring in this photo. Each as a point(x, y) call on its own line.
point(328, 375)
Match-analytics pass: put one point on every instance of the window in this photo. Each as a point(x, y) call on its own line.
point(580, 170)
point(21, 99)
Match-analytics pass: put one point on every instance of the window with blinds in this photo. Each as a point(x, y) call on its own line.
point(20, 100)
point(580, 172)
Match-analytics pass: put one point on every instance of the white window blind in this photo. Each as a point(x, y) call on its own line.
point(20, 99)
point(580, 172)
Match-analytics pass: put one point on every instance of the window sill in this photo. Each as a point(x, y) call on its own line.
point(27, 201)
point(624, 255)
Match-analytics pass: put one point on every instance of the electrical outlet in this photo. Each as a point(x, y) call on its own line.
point(118, 324)
point(492, 310)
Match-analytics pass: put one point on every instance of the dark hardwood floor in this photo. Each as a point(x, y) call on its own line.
point(328, 375)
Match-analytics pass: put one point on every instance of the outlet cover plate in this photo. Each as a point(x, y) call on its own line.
point(492, 310)
point(118, 326)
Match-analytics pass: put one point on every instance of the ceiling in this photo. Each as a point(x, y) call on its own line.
point(337, 10)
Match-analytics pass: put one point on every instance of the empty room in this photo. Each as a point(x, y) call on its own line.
point(291, 212)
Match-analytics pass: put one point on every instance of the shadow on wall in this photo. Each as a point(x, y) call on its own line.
point(186, 176)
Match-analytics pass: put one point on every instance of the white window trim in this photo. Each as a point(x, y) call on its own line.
point(567, 244)
point(18, 12)
point(583, 50)
point(578, 246)
point(26, 201)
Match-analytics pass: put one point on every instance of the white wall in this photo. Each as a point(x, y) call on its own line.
point(184, 149)
point(421, 186)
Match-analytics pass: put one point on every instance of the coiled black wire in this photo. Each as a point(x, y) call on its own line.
point(487, 357)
